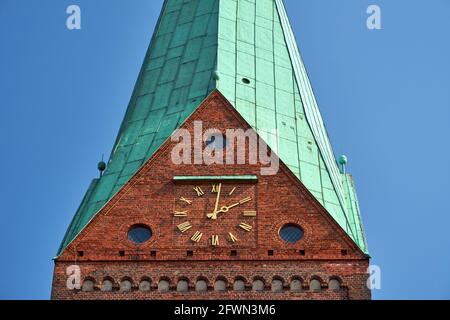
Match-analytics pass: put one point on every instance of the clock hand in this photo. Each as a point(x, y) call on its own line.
point(214, 214)
point(224, 209)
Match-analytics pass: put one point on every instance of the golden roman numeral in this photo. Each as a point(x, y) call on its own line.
point(232, 191)
point(215, 241)
point(185, 226)
point(249, 213)
point(180, 214)
point(197, 237)
point(245, 200)
point(215, 188)
point(233, 238)
point(199, 191)
point(246, 227)
point(189, 202)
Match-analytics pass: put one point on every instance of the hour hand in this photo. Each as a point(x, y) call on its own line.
point(224, 209)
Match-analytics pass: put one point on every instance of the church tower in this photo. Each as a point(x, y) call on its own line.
point(222, 183)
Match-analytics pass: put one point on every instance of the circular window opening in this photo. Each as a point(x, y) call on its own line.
point(245, 80)
point(291, 233)
point(139, 234)
point(216, 141)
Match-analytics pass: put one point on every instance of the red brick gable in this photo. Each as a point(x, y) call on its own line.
point(151, 197)
point(325, 264)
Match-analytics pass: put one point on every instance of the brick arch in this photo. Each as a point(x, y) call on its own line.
point(275, 279)
point(170, 280)
point(229, 279)
point(204, 279)
point(183, 278)
point(141, 284)
point(256, 279)
point(166, 279)
point(221, 279)
point(85, 281)
point(124, 279)
point(90, 278)
point(297, 277)
point(146, 278)
point(279, 278)
point(296, 287)
point(127, 278)
point(244, 281)
point(241, 278)
point(313, 279)
point(316, 277)
point(110, 279)
point(179, 280)
point(338, 278)
point(259, 278)
point(335, 278)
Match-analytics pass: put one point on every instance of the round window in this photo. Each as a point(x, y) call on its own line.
point(291, 233)
point(139, 234)
point(216, 141)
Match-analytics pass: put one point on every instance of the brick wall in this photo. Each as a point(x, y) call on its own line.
point(351, 277)
point(103, 250)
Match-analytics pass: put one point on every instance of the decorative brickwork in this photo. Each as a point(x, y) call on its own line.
point(325, 264)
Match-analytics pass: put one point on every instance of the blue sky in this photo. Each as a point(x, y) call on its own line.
point(384, 95)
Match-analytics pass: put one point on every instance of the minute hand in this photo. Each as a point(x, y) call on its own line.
point(213, 215)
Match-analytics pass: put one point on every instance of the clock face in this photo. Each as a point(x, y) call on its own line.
point(215, 215)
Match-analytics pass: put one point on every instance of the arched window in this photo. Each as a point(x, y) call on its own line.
point(220, 285)
point(201, 285)
point(126, 285)
point(239, 285)
point(107, 285)
point(334, 284)
point(277, 285)
point(258, 285)
point(145, 285)
point(163, 285)
point(296, 285)
point(183, 286)
point(315, 285)
point(88, 285)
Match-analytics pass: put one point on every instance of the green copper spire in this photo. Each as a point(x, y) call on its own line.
point(245, 49)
